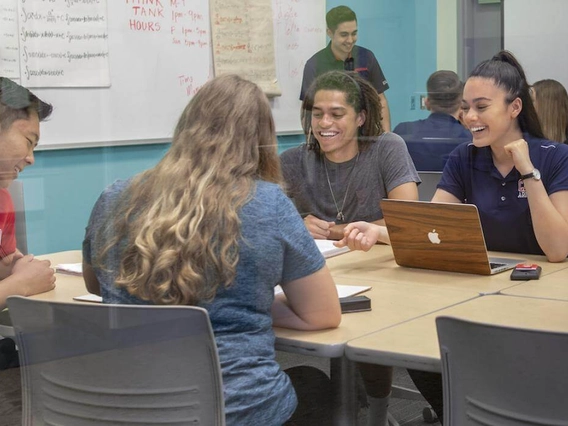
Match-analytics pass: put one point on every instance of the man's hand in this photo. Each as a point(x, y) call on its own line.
point(361, 236)
point(318, 228)
point(35, 276)
point(8, 262)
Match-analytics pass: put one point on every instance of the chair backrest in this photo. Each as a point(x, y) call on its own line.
point(495, 375)
point(90, 364)
point(6, 329)
point(427, 188)
point(16, 190)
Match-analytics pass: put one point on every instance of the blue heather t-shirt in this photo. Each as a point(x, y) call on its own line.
point(471, 176)
point(275, 248)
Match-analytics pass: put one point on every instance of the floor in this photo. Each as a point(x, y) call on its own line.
point(406, 412)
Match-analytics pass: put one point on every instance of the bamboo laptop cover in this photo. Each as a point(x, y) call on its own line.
point(440, 236)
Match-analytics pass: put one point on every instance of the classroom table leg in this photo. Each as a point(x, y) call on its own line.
point(345, 407)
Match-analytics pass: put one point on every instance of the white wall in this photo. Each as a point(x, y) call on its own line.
point(447, 47)
point(537, 34)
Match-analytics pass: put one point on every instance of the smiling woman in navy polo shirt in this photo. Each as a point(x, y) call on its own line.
point(517, 179)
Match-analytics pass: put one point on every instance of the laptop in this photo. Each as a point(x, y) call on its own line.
point(440, 236)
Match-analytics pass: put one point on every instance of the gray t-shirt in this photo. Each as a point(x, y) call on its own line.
point(275, 248)
point(379, 169)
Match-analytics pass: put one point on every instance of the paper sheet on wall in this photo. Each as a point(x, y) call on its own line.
point(9, 45)
point(64, 43)
point(243, 41)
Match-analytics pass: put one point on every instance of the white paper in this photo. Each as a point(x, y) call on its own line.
point(328, 250)
point(64, 43)
point(89, 298)
point(70, 268)
point(342, 290)
point(9, 40)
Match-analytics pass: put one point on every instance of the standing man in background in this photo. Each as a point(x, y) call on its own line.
point(342, 54)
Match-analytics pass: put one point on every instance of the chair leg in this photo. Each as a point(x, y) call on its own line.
point(392, 421)
point(406, 393)
point(429, 415)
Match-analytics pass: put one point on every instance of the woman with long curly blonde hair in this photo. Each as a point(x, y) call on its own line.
point(210, 226)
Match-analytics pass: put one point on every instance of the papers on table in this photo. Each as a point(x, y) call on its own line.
point(89, 298)
point(327, 248)
point(351, 290)
point(70, 268)
point(342, 290)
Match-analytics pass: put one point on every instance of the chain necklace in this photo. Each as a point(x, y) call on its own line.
point(340, 216)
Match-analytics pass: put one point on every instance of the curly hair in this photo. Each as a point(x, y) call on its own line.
point(359, 94)
point(17, 103)
point(177, 228)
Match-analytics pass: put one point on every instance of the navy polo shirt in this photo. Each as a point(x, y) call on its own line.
point(431, 140)
point(362, 61)
point(471, 176)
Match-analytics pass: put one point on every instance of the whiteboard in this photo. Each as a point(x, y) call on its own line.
point(153, 78)
point(536, 33)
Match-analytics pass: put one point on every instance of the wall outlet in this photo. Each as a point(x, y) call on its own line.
point(412, 103)
point(422, 101)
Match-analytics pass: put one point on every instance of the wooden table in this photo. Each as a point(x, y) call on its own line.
point(398, 295)
point(552, 286)
point(379, 265)
point(414, 344)
point(392, 303)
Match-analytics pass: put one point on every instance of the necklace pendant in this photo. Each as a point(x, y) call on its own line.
point(340, 217)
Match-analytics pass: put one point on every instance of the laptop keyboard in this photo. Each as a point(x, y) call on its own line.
point(494, 265)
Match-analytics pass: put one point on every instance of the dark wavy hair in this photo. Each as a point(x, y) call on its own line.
point(17, 103)
point(507, 73)
point(359, 94)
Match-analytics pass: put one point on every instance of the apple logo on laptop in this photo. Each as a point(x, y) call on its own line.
point(433, 237)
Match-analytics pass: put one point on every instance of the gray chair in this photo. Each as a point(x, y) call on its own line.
point(502, 376)
point(427, 188)
point(16, 190)
point(6, 329)
point(91, 364)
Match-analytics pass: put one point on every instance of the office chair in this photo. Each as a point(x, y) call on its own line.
point(427, 188)
point(495, 375)
point(16, 190)
point(91, 364)
point(6, 329)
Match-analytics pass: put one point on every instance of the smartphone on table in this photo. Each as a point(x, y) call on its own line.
point(526, 271)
